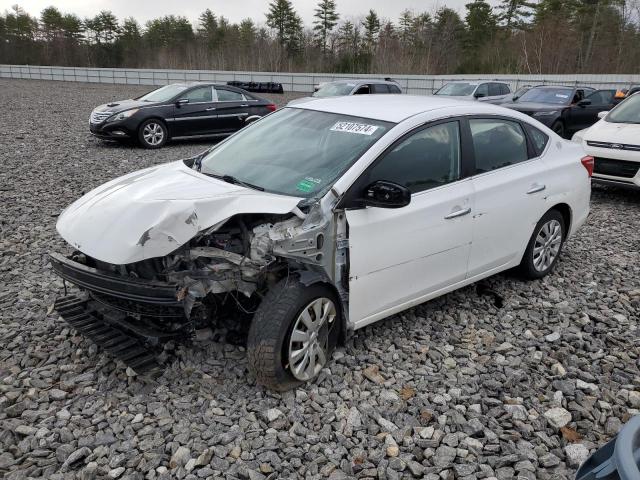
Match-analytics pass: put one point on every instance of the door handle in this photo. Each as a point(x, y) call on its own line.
point(536, 189)
point(458, 213)
point(209, 109)
point(244, 105)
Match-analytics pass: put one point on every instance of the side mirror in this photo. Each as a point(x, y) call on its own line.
point(385, 194)
point(182, 101)
point(479, 95)
point(584, 103)
point(602, 114)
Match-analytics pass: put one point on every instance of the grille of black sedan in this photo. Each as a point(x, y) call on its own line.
point(99, 117)
point(616, 168)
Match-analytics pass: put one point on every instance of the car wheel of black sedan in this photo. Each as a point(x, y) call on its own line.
point(558, 127)
point(152, 133)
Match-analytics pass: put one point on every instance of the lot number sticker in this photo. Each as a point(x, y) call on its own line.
point(352, 127)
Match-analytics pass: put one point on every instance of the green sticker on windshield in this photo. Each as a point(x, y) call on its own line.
point(305, 186)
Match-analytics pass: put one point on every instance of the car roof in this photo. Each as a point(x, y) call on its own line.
point(388, 108)
point(361, 81)
point(477, 82)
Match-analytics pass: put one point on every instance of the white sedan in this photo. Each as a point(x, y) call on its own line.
point(322, 218)
point(614, 142)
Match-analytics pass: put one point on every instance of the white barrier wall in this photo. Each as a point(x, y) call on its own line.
point(294, 82)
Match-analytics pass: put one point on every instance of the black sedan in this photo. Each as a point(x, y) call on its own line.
point(180, 110)
point(564, 109)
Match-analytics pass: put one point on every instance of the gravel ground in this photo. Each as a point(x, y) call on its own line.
point(455, 388)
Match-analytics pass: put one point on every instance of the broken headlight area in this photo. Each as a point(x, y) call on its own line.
point(216, 279)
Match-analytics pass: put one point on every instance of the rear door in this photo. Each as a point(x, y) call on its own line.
point(197, 116)
point(509, 185)
point(232, 109)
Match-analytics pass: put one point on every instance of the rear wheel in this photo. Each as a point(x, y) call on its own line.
point(293, 334)
point(152, 133)
point(544, 246)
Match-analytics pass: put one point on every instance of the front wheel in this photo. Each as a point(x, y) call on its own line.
point(152, 134)
point(293, 334)
point(544, 246)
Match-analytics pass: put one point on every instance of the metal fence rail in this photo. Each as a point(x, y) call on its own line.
point(294, 82)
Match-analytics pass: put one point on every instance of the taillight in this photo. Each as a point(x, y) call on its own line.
point(271, 107)
point(588, 163)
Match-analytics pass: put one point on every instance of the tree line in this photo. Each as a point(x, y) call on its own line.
point(516, 36)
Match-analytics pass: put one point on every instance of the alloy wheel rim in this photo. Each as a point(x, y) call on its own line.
point(153, 133)
point(309, 343)
point(547, 245)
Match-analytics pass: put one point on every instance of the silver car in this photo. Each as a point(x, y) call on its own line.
point(341, 88)
point(489, 91)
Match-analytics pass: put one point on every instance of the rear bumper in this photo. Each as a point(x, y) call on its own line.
point(142, 297)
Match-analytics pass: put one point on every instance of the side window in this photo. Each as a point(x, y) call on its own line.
point(427, 159)
point(504, 88)
point(394, 89)
point(380, 88)
point(497, 143)
point(482, 90)
point(538, 138)
point(494, 89)
point(601, 97)
point(229, 96)
point(198, 95)
point(363, 90)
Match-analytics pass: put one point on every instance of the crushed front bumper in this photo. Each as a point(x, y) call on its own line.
point(135, 296)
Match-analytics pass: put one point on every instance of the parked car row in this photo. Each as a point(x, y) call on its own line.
point(209, 110)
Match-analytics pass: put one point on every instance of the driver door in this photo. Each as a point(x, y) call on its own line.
point(401, 257)
point(586, 114)
point(197, 116)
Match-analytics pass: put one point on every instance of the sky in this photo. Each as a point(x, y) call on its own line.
point(234, 10)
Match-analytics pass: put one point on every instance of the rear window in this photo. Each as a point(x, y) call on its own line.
point(394, 89)
point(380, 88)
point(538, 139)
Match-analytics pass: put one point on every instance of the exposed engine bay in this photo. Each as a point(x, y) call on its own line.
point(222, 273)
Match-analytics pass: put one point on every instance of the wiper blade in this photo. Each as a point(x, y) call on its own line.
point(235, 181)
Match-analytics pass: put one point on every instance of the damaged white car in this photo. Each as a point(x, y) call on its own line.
point(318, 220)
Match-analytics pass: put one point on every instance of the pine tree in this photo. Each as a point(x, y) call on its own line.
point(406, 26)
point(327, 19)
point(515, 14)
point(208, 26)
point(287, 23)
point(371, 26)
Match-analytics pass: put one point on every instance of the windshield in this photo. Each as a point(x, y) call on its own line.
point(163, 94)
point(626, 112)
point(457, 89)
point(334, 89)
point(556, 96)
point(295, 152)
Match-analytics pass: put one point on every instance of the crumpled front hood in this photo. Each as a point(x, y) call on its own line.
point(151, 212)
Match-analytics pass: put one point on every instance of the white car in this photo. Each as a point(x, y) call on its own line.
point(341, 88)
point(489, 92)
point(320, 219)
point(614, 142)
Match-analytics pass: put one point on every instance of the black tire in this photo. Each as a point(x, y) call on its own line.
point(271, 328)
point(558, 127)
point(528, 264)
point(153, 124)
